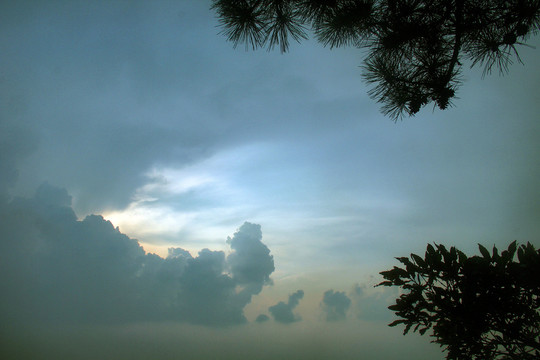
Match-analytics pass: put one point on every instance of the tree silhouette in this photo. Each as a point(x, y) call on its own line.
point(416, 48)
point(480, 307)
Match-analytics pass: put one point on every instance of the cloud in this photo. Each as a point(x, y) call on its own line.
point(56, 268)
point(283, 312)
point(262, 318)
point(208, 295)
point(148, 93)
point(251, 263)
point(335, 305)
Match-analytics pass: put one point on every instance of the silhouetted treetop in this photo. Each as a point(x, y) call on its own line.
point(416, 47)
point(480, 307)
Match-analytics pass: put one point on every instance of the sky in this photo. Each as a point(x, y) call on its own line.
point(165, 195)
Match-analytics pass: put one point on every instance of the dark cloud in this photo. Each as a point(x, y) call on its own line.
point(283, 312)
point(335, 305)
point(262, 318)
point(251, 263)
point(142, 91)
point(58, 269)
point(178, 252)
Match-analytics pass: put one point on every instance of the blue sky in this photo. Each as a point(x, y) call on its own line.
point(141, 113)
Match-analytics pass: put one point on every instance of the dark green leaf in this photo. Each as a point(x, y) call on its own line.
point(521, 254)
point(512, 249)
point(484, 252)
point(407, 328)
point(462, 256)
point(418, 260)
point(442, 250)
point(430, 249)
point(397, 322)
point(453, 253)
point(495, 253)
point(403, 260)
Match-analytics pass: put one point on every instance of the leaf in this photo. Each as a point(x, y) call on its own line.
point(495, 253)
point(430, 249)
point(442, 250)
point(530, 251)
point(505, 257)
point(437, 259)
point(403, 260)
point(397, 322)
point(462, 257)
point(521, 253)
point(394, 274)
point(512, 249)
point(484, 252)
point(407, 328)
point(411, 269)
point(453, 253)
point(418, 260)
point(400, 272)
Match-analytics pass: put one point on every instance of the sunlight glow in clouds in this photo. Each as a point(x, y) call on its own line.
point(193, 197)
point(171, 181)
point(149, 214)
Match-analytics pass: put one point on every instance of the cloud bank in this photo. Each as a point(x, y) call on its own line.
point(58, 269)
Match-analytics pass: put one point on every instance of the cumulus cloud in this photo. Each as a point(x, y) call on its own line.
point(251, 263)
point(335, 305)
point(56, 268)
point(283, 312)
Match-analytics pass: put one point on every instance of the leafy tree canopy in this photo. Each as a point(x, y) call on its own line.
point(415, 47)
point(480, 307)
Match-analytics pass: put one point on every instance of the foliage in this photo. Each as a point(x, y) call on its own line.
point(478, 307)
point(415, 47)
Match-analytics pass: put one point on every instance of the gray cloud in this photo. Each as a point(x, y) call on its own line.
point(335, 305)
point(283, 312)
point(58, 269)
point(250, 262)
point(143, 91)
point(262, 318)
